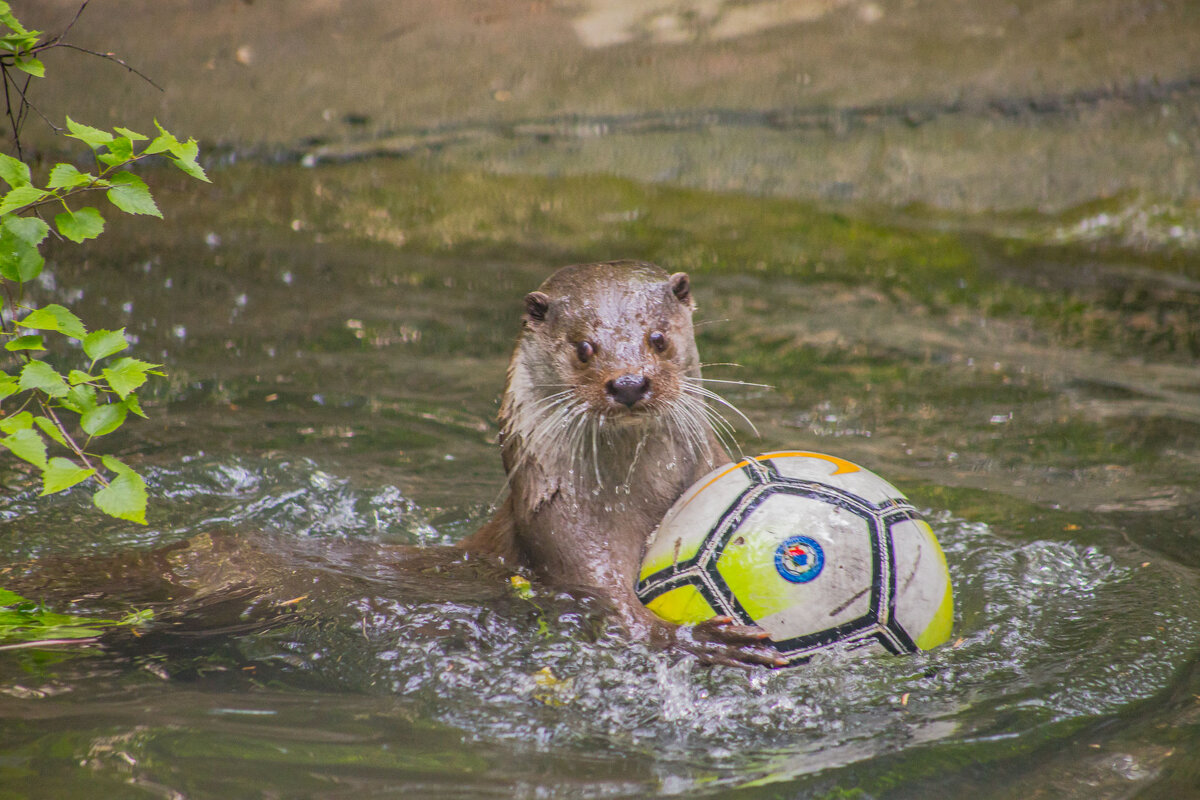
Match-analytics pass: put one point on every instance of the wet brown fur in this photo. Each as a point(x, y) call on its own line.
point(575, 523)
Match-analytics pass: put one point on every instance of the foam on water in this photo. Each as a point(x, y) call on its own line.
point(1046, 632)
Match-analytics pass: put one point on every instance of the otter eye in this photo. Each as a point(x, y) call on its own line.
point(658, 340)
point(585, 350)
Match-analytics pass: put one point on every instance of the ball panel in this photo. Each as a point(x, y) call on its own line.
point(683, 605)
point(834, 471)
point(924, 603)
point(941, 625)
point(838, 592)
point(687, 525)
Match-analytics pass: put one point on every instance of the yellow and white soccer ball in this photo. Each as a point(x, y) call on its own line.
point(812, 548)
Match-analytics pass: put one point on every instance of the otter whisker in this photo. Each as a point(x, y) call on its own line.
point(583, 431)
point(572, 434)
point(734, 383)
point(712, 418)
point(688, 416)
point(596, 453)
point(532, 424)
point(545, 403)
point(692, 387)
point(724, 431)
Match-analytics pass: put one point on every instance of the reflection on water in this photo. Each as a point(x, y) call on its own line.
point(328, 429)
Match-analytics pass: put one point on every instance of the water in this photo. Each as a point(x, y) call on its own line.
point(336, 341)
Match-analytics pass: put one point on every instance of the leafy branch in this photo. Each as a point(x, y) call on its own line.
point(47, 418)
point(19, 53)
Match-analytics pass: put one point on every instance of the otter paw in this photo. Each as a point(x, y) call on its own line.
point(721, 641)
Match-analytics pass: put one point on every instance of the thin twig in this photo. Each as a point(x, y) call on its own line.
point(71, 24)
point(25, 105)
point(17, 118)
point(77, 190)
point(49, 642)
point(71, 442)
point(108, 57)
point(8, 111)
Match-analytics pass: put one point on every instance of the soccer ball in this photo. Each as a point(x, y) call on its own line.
point(817, 551)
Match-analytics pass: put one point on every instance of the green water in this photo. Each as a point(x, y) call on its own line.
point(336, 340)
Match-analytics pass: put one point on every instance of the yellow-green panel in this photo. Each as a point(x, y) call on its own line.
point(683, 605)
point(659, 559)
point(749, 573)
point(938, 629)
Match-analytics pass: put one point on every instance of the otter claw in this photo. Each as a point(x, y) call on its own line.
point(720, 641)
point(724, 630)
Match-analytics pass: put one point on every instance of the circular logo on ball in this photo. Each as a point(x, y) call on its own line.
point(799, 559)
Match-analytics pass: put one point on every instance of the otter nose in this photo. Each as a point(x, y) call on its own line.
point(628, 389)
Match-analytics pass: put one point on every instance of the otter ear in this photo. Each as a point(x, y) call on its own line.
point(536, 306)
point(681, 287)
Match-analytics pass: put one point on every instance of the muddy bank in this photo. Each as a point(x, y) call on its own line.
point(1014, 105)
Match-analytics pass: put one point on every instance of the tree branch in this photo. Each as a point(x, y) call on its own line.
point(106, 56)
point(49, 412)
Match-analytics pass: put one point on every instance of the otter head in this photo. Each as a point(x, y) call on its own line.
point(615, 338)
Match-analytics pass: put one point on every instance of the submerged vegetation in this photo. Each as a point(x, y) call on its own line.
point(1107, 291)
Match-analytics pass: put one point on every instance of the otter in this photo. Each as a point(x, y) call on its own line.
point(603, 425)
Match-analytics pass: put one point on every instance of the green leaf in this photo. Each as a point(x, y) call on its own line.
point(9, 598)
point(185, 151)
point(16, 422)
point(103, 419)
point(92, 137)
point(140, 617)
point(134, 405)
point(20, 197)
point(80, 398)
point(54, 318)
point(20, 259)
point(161, 143)
point(192, 168)
point(125, 497)
point(101, 344)
point(131, 195)
point(27, 444)
point(77, 628)
point(183, 154)
point(8, 386)
point(32, 66)
point(77, 376)
point(66, 176)
point(62, 473)
point(86, 223)
point(30, 230)
point(14, 172)
point(132, 136)
point(50, 429)
point(41, 376)
point(120, 150)
point(30, 342)
point(6, 16)
point(127, 374)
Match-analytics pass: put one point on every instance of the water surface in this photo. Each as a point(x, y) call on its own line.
point(336, 340)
